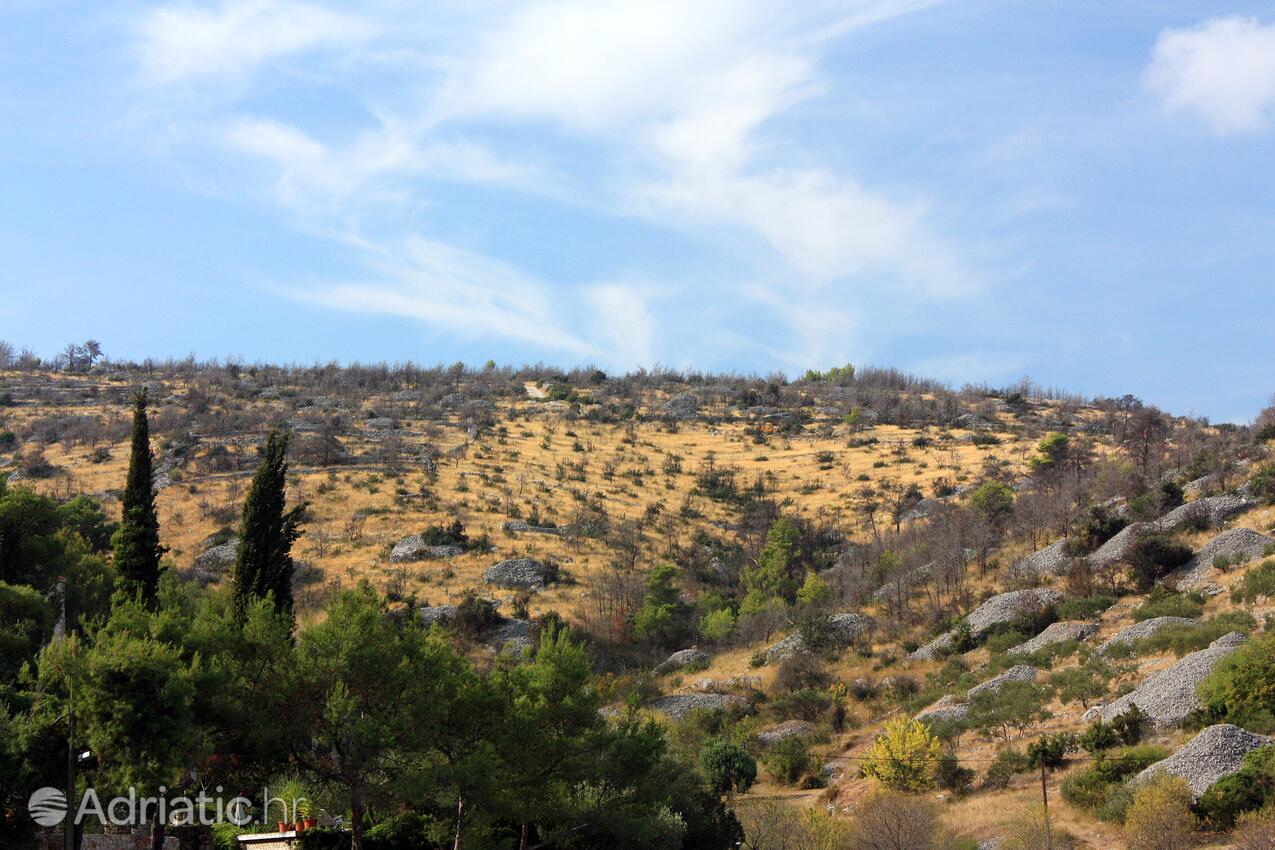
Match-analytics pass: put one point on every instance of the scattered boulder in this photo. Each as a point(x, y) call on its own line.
point(849, 627)
point(681, 407)
point(1212, 755)
point(1017, 673)
point(1212, 510)
point(1053, 560)
point(786, 648)
point(1145, 629)
point(1203, 484)
point(947, 710)
point(519, 637)
point(1169, 696)
point(1237, 544)
point(515, 526)
point(922, 510)
point(1007, 606)
point(519, 573)
point(786, 731)
point(684, 658)
point(218, 558)
point(1120, 547)
point(1056, 633)
point(381, 423)
point(414, 548)
point(432, 614)
point(680, 706)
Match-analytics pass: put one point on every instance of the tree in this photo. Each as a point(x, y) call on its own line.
point(891, 820)
point(662, 617)
point(136, 541)
point(1013, 706)
point(26, 623)
point(728, 766)
point(263, 563)
point(993, 502)
point(366, 688)
point(1160, 818)
point(769, 577)
point(1241, 689)
point(904, 756)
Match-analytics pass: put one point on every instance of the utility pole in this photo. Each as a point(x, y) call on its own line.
point(68, 825)
point(1044, 796)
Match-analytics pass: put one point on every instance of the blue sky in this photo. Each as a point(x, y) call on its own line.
point(1082, 192)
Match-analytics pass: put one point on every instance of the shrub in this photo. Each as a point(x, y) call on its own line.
point(951, 776)
point(1250, 789)
point(807, 704)
point(800, 670)
point(1163, 602)
point(1084, 607)
point(1262, 484)
point(1159, 817)
point(892, 820)
point(1051, 751)
point(1100, 789)
point(1180, 638)
point(788, 760)
point(1241, 688)
point(1007, 764)
point(903, 757)
point(1258, 582)
point(1256, 831)
point(1130, 725)
point(1153, 557)
point(728, 766)
point(1098, 737)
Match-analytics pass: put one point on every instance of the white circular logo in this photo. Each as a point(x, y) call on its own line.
point(47, 806)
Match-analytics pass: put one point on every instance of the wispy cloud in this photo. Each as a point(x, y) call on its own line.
point(183, 41)
point(1222, 69)
point(681, 105)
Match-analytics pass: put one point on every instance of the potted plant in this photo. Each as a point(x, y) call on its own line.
point(294, 794)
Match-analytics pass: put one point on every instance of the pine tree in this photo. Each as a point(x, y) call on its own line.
point(263, 564)
point(136, 541)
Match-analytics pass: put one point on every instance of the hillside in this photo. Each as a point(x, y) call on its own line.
point(822, 534)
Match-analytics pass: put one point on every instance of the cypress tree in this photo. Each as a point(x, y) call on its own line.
point(136, 541)
point(263, 564)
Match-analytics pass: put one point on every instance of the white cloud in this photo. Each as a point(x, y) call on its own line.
point(457, 291)
point(180, 42)
point(681, 105)
point(1222, 69)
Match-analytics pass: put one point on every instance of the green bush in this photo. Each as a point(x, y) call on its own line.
point(1251, 789)
point(1180, 638)
point(1155, 556)
point(951, 776)
point(1163, 602)
point(1258, 582)
point(1100, 789)
point(1084, 607)
point(788, 760)
point(1007, 764)
point(1241, 689)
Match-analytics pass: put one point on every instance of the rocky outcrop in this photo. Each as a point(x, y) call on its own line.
point(922, 510)
point(1056, 633)
point(681, 407)
point(1212, 511)
point(519, 637)
point(1212, 755)
point(414, 548)
point(517, 526)
point(696, 658)
point(1120, 547)
point(680, 706)
point(1237, 544)
point(1052, 561)
point(785, 649)
point(947, 710)
point(219, 558)
point(1017, 673)
point(432, 614)
point(519, 574)
point(996, 611)
point(1169, 696)
point(786, 731)
point(1138, 631)
point(845, 630)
